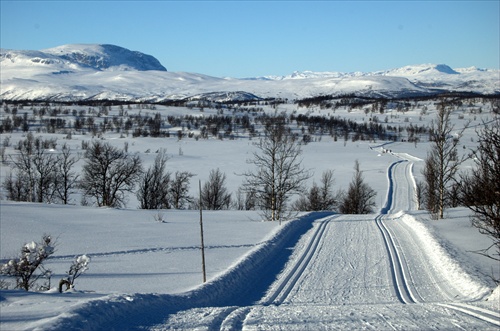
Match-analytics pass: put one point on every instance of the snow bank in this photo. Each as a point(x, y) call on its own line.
point(493, 301)
point(449, 261)
point(252, 274)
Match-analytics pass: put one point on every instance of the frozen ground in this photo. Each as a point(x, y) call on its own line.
point(380, 271)
point(394, 269)
point(390, 270)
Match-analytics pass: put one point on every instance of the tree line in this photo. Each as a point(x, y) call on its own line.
point(478, 188)
point(40, 173)
point(227, 123)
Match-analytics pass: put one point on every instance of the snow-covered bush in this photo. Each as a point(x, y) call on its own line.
point(159, 217)
point(79, 266)
point(29, 267)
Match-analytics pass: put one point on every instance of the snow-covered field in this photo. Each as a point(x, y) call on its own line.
point(395, 269)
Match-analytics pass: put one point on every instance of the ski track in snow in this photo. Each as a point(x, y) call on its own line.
point(388, 285)
point(321, 271)
point(152, 250)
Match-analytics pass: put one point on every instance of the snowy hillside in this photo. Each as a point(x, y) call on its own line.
point(407, 71)
point(393, 269)
point(98, 72)
point(433, 76)
point(106, 57)
point(81, 57)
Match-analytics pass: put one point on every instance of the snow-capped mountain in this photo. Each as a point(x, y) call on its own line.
point(417, 71)
point(79, 57)
point(106, 57)
point(100, 72)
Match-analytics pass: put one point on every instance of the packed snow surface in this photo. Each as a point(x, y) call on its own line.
point(389, 270)
point(395, 269)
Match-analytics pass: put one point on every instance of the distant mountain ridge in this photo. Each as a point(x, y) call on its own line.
point(407, 71)
point(94, 56)
point(108, 72)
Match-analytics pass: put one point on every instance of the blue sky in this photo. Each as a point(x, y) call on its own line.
point(256, 38)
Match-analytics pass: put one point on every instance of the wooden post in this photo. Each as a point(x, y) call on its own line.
point(202, 243)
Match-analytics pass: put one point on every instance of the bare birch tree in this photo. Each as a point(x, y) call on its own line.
point(442, 160)
point(154, 185)
point(279, 173)
point(179, 189)
point(319, 197)
point(65, 178)
point(108, 174)
point(480, 188)
point(34, 166)
point(214, 195)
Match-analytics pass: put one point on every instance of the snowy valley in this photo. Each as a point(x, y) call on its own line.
point(396, 268)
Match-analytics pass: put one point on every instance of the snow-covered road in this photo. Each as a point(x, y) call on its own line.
point(355, 272)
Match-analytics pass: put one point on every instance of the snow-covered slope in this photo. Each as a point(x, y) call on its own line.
point(433, 76)
point(421, 70)
point(97, 72)
point(106, 57)
point(78, 57)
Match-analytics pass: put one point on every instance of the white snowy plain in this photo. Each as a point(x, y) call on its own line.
point(394, 269)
